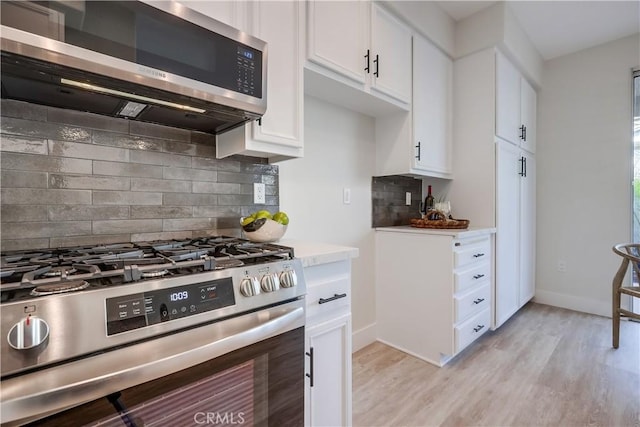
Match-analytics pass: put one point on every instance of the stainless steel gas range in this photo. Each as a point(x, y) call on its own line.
point(193, 332)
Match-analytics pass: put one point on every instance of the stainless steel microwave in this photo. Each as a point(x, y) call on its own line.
point(157, 61)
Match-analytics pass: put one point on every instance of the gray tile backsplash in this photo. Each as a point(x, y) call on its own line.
point(388, 200)
point(70, 178)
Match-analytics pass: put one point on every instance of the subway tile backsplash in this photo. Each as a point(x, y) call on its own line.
point(388, 200)
point(71, 178)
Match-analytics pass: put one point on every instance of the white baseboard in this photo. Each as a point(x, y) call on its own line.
point(363, 337)
point(572, 302)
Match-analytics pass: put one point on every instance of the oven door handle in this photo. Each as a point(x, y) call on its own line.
point(35, 395)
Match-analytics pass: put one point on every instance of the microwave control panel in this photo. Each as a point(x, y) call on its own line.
point(246, 61)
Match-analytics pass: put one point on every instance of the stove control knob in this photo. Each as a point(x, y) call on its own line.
point(270, 282)
point(28, 333)
point(288, 279)
point(249, 286)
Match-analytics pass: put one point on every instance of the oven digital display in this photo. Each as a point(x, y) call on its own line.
point(179, 296)
point(129, 312)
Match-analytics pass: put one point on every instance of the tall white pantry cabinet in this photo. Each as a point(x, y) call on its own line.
point(494, 160)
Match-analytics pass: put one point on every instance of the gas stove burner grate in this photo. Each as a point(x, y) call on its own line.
point(59, 288)
point(60, 271)
point(118, 264)
point(152, 274)
point(228, 263)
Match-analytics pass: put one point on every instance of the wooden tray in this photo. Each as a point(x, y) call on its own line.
point(440, 223)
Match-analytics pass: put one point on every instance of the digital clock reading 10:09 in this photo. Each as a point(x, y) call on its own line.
point(178, 296)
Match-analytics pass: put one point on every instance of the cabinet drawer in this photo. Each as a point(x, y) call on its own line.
point(472, 302)
point(477, 251)
point(473, 328)
point(329, 298)
point(474, 276)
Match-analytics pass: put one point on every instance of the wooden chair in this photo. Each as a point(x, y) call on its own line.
point(630, 252)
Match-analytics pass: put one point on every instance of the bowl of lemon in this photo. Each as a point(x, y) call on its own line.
point(263, 227)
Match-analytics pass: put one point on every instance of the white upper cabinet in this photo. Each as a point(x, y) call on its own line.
point(515, 105)
point(390, 55)
point(361, 44)
point(228, 12)
point(420, 142)
point(279, 134)
point(528, 107)
point(507, 100)
point(432, 107)
point(336, 34)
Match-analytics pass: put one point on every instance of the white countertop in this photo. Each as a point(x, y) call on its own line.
point(313, 253)
point(456, 233)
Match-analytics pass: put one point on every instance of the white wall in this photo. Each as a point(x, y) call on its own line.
point(497, 26)
point(429, 20)
point(584, 173)
point(339, 152)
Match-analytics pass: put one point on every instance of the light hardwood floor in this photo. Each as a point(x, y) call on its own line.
point(545, 367)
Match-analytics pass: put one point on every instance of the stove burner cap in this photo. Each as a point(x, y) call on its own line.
point(59, 271)
point(151, 274)
point(59, 288)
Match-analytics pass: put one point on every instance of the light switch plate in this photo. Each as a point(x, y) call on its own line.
point(346, 196)
point(407, 198)
point(259, 196)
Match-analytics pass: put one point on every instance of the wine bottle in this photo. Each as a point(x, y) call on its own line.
point(428, 202)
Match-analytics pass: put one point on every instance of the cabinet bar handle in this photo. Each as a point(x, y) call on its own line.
point(521, 160)
point(522, 132)
point(478, 255)
point(524, 161)
point(377, 62)
point(525, 133)
point(418, 147)
point(478, 328)
point(367, 56)
point(333, 298)
point(310, 375)
point(478, 301)
point(478, 276)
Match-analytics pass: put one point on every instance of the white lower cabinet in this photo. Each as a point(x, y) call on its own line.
point(515, 238)
point(433, 297)
point(330, 370)
point(328, 344)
